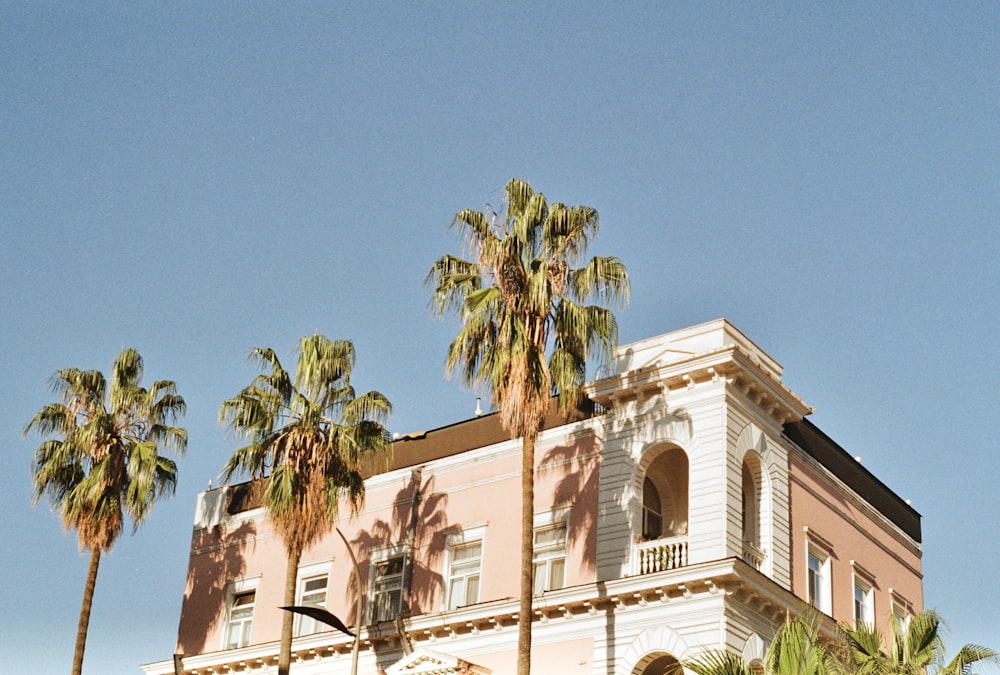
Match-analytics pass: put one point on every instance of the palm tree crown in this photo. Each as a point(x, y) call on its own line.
point(306, 436)
point(105, 465)
point(521, 289)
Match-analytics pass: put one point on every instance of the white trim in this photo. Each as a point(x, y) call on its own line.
point(234, 588)
point(862, 583)
point(467, 535)
point(824, 592)
point(305, 573)
point(378, 555)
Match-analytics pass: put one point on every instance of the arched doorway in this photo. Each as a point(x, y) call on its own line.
point(658, 663)
point(665, 495)
point(663, 522)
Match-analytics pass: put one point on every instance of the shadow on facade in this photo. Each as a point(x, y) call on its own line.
point(217, 557)
point(418, 515)
point(579, 486)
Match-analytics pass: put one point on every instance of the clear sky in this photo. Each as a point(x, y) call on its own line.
point(194, 179)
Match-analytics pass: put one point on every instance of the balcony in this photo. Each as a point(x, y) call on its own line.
point(659, 555)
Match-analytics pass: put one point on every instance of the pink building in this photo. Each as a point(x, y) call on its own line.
point(689, 506)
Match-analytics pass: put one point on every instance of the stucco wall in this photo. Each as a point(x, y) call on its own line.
point(855, 532)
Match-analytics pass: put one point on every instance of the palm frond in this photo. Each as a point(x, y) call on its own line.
point(718, 662)
point(967, 657)
point(603, 278)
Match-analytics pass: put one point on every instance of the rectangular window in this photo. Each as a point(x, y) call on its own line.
point(312, 593)
point(550, 559)
point(900, 608)
point(387, 588)
point(864, 603)
point(818, 580)
point(240, 619)
point(465, 563)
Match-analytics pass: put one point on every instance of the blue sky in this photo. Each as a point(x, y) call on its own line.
point(195, 179)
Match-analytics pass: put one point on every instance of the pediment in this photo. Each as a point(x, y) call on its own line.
point(427, 662)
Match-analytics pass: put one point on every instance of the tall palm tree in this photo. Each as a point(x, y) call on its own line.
point(795, 650)
point(525, 334)
point(104, 465)
point(306, 440)
point(915, 647)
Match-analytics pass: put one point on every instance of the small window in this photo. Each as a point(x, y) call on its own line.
point(387, 588)
point(312, 593)
point(465, 563)
point(550, 559)
point(818, 579)
point(901, 609)
point(864, 603)
point(240, 619)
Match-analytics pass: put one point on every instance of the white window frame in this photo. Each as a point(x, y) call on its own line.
point(864, 602)
point(863, 598)
point(901, 608)
point(306, 625)
point(238, 588)
point(549, 520)
point(463, 538)
point(380, 556)
point(819, 580)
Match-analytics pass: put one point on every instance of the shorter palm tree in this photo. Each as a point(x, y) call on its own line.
point(104, 467)
point(916, 647)
point(795, 650)
point(307, 438)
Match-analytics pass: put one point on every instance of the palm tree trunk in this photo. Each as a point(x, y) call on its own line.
point(527, 552)
point(88, 601)
point(291, 577)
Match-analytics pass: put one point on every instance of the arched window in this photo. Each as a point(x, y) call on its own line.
point(751, 511)
point(752, 508)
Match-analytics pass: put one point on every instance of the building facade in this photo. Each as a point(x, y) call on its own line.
point(689, 505)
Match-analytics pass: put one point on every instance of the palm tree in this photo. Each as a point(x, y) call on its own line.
point(795, 650)
point(306, 440)
point(104, 466)
point(915, 647)
point(524, 333)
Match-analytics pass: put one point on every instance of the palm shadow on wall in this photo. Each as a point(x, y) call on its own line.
point(417, 509)
point(578, 487)
point(218, 560)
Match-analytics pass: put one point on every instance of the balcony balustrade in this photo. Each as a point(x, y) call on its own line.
point(752, 555)
point(661, 554)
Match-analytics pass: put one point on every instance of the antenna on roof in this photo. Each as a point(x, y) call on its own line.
point(479, 409)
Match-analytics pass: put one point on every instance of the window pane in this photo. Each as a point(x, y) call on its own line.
point(387, 588)
point(315, 584)
point(472, 590)
point(467, 551)
point(538, 578)
point(558, 574)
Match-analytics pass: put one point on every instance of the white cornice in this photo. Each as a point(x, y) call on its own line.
point(730, 363)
